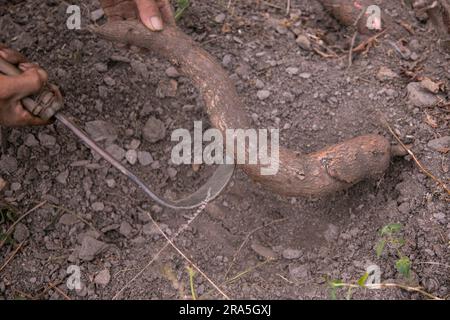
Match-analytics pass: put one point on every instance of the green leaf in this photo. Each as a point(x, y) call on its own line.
point(363, 279)
point(391, 229)
point(182, 6)
point(403, 266)
point(380, 247)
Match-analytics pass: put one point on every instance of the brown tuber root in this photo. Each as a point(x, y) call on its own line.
point(332, 169)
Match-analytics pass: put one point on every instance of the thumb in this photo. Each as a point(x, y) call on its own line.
point(150, 14)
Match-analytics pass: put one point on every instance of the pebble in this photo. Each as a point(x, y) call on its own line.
point(292, 71)
point(46, 140)
point(90, 247)
point(116, 152)
point(303, 42)
point(188, 108)
point(172, 172)
point(97, 14)
point(31, 141)
point(103, 278)
point(109, 81)
point(385, 74)
point(300, 272)
point(259, 84)
point(100, 130)
point(419, 97)
point(68, 219)
point(125, 229)
point(101, 67)
point(98, 206)
point(131, 156)
point(226, 61)
point(154, 130)
point(150, 229)
point(305, 75)
point(404, 208)
point(21, 232)
point(332, 233)
point(220, 18)
point(263, 94)
point(62, 177)
point(172, 72)
point(134, 144)
point(441, 144)
point(291, 254)
point(15, 186)
point(144, 158)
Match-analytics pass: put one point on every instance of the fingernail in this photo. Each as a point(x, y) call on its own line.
point(156, 23)
point(2, 54)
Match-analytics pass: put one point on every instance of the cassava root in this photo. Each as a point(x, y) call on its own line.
point(332, 169)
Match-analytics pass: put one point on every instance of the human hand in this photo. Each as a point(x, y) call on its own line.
point(15, 88)
point(152, 13)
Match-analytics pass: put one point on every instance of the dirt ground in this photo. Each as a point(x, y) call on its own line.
point(251, 243)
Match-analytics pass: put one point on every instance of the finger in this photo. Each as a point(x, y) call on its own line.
point(27, 66)
point(24, 118)
point(150, 14)
point(12, 56)
point(28, 83)
point(167, 12)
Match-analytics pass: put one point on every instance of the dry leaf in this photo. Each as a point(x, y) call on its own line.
point(431, 121)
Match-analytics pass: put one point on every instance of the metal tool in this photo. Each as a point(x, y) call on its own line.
point(48, 105)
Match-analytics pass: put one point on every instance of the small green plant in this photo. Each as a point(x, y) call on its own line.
point(182, 5)
point(389, 237)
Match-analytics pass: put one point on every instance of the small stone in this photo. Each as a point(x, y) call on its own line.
point(300, 272)
point(226, 61)
point(172, 172)
point(109, 81)
point(263, 94)
point(404, 208)
point(292, 71)
point(134, 144)
point(143, 217)
point(101, 67)
point(116, 152)
point(263, 251)
point(154, 130)
point(131, 156)
point(90, 247)
point(103, 278)
point(125, 229)
point(62, 177)
point(386, 74)
point(101, 131)
point(46, 140)
point(31, 141)
point(305, 75)
point(68, 219)
point(172, 72)
point(440, 216)
point(97, 14)
point(291, 254)
point(303, 42)
point(21, 232)
point(259, 84)
point(419, 97)
point(220, 18)
point(188, 108)
point(430, 85)
point(15, 186)
point(98, 206)
point(111, 183)
point(441, 144)
point(144, 158)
